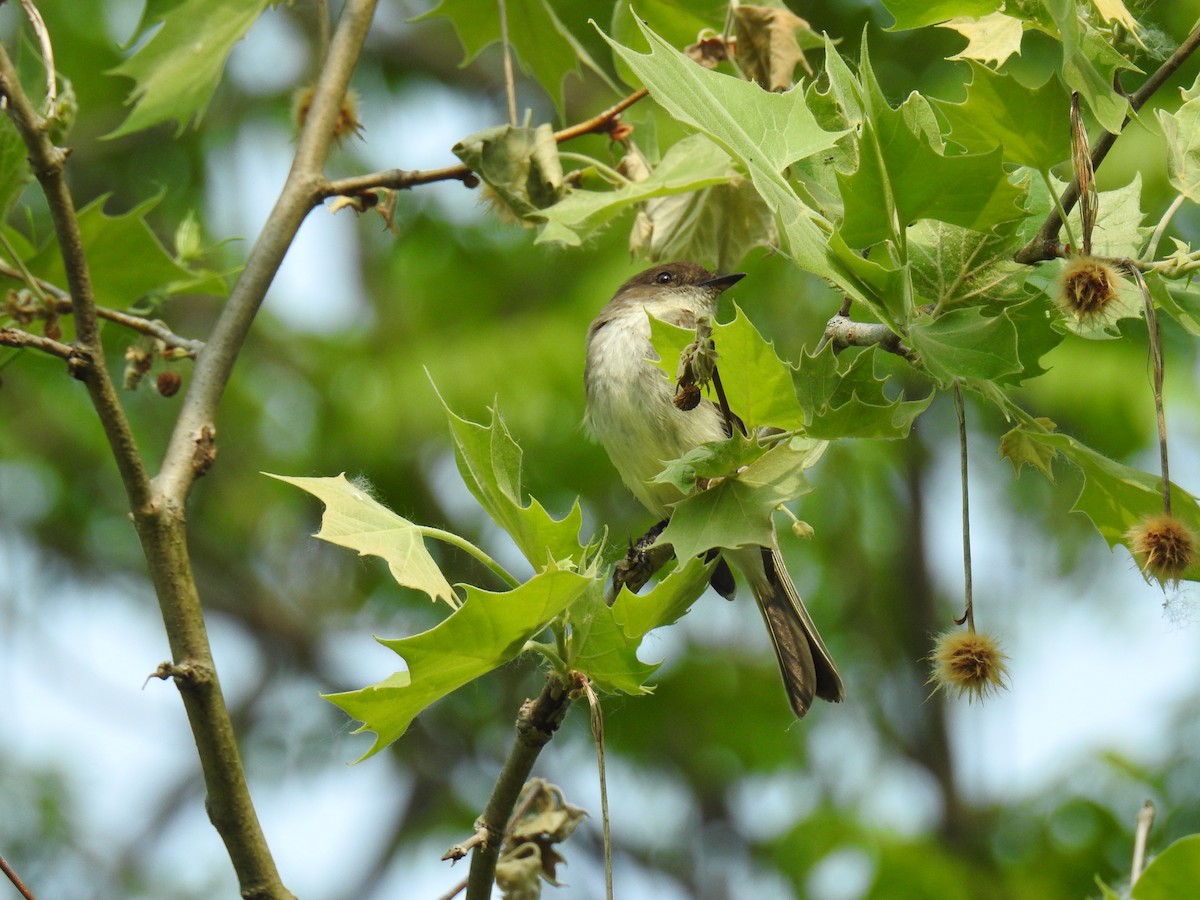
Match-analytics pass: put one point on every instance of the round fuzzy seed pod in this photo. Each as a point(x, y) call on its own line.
point(967, 662)
point(1163, 546)
point(1087, 290)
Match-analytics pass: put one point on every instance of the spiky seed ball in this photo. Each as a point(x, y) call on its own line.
point(1163, 546)
point(1087, 290)
point(347, 123)
point(967, 662)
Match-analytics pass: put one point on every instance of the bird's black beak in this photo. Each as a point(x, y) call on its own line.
point(723, 282)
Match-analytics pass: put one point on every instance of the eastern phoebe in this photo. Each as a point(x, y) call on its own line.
point(630, 411)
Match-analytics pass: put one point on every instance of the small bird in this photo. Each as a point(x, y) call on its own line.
point(631, 413)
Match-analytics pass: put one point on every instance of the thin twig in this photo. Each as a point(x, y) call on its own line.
point(454, 891)
point(60, 302)
point(1157, 368)
point(402, 179)
point(15, 879)
point(1141, 834)
point(1044, 244)
point(510, 86)
point(15, 337)
point(536, 724)
point(960, 412)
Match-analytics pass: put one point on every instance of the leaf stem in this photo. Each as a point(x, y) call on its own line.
point(960, 412)
point(1161, 228)
point(1058, 205)
point(454, 540)
point(1044, 244)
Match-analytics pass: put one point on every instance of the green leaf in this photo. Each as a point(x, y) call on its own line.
point(1089, 64)
point(1020, 449)
point(520, 164)
point(1173, 873)
point(1181, 304)
point(714, 226)
point(1030, 125)
point(1182, 131)
point(125, 258)
point(990, 39)
point(489, 461)
point(736, 512)
point(1117, 497)
point(903, 177)
point(15, 171)
point(964, 343)
point(844, 399)
point(545, 48)
point(693, 163)
point(918, 13)
point(758, 384)
point(487, 631)
point(765, 132)
point(355, 519)
point(604, 640)
point(954, 266)
point(178, 69)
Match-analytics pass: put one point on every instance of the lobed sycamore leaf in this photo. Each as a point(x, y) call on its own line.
point(691, 164)
point(603, 640)
point(1182, 131)
point(764, 132)
point(356, 520)
point(487, 631)
point(955, 266)
point(126, 260)
point(1116, 497)
point(736, 511)
point(544, 46)
point(177, 70)
point(903, 175)
point(1028, 124)
point(1020, 449)
point(489, 461)
point(1118, 232)
point(911, 14)
point(965, 343)
point(714, 226)
point(757, 383)
point(1090, 64)
point(991, 38)
point(843, 398)
point(1181, 303)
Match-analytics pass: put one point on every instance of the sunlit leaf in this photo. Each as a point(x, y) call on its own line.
point(1021, 450)
point(1173, 873)
point(487, 631)
point(1182, 131)
point(1030, 125)
point(917, 13)
point(489, 461)
point(355, 519)
point(990, 39)
point(178, 69)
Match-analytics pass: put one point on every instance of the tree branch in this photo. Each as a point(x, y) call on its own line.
point(536, 724)
point(61, 304)
point(1044, 244)
point(403, 179)
point(301, 192)
point(843, 332)
point(15, 337)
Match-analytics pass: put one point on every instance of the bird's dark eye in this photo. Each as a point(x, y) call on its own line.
point(664, 278)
